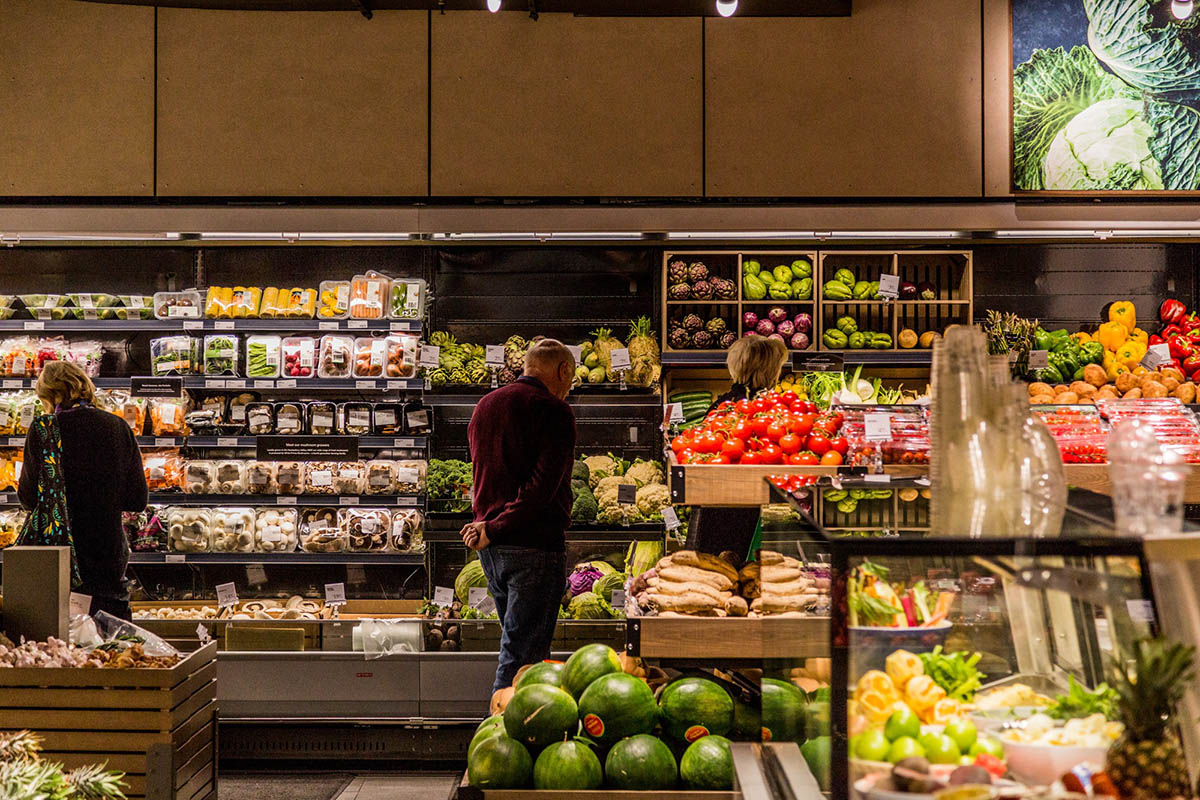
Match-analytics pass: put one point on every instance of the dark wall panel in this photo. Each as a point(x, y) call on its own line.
point(306, 265)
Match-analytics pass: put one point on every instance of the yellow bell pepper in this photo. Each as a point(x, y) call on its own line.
point(1130, 354)
point(1112, 335)
point(1115, 369)
point(1139, 335)
point(1124, 313)
point(1083, 337)
point(1139, 370)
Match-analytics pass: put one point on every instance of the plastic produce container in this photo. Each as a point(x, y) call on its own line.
point(275, 530)
point(262, 356)
point(369, 296)
point(366, 529)
point(337, 356)
point(299, 357)
point(220, 355)
point(231, 529)
point(319, 531)
point(175, 355)
point(406, 298)
point(333, 300)
point(188, 530)
point(177, 305)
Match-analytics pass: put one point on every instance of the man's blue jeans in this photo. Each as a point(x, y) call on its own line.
point(528, 586)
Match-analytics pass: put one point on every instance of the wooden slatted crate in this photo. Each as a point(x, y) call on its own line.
point(159, 726)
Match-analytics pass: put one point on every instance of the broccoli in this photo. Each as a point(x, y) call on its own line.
point(584, 508)
point(580, 472)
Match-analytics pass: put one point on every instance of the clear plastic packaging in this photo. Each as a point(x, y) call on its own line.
point(46, 306)
point(231, 529)
point(214, 404)
point(95, 306)
point(232, 302)
point(231, 476)
point(319, 531)
point(163, 470)
point(418, 418)
point(381, 478)
point(136, 306)
point(188, 530)
point(18, 357)
point(237, 407)
point(260, 477)
point(408, 531)
point(898, 451)
point(177, 305)
point(402, 352)
point(167, 416)
point(294, 303)
point(299, 357)
point(260, 418)
point(200, 477)
point(289, 418)
point(334, 300)
point(322, 418)
point(369, 296)
point(355, 419)
point(366, 529)
point(289, 477)
point(87, 355)
point(275, 530)
point(221, 354)
point(131, 409)
point(262, 356)
point(370, 356)
point(349, 476)
point(410, 476)
point(318, 477)
point(407, 298)
point(175, 355)
point(10, 469)
point(26, 408)
point(147, 530)
point(337, 356)
point(388, 419)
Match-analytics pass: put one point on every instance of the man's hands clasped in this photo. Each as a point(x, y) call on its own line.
point(474, 535)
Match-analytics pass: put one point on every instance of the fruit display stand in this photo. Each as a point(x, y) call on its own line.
point(156, 725)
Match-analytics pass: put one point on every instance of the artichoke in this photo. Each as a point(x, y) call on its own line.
point(724, 289)
point(697, 272)
point(702, 290)
point(692, 323)
point(677, 272)
point(716, 326)
point(679, 291)
point(679, 339)
point(702, 340)
point(727, 340)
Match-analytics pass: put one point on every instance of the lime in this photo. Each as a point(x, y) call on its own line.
point(966, 761)
point(872, 745)
point(963, 733)
point(941, 750)
point(905, 747)
point(929, 739)
point(986, 744)
point(902, 722)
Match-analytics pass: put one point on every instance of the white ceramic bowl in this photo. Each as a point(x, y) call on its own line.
point(1043, 764)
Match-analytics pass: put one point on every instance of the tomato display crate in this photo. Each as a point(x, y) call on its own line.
point(156, 725)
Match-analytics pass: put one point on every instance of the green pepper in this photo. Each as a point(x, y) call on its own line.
point(836, 290)
point(857, 340)
point(1077, 375)
point(846, 325)
point(780, 291)
point(751, 268)
point(835, 339)
point(847, 506)
point(1042, 340)
point(1063, 362)
point(862, 290)
point(845, 276)
point(881, 341)
point(1048, 375)
point(1093, 352)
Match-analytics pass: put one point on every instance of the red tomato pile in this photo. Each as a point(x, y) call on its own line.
point(792, 483)
point(773, 428)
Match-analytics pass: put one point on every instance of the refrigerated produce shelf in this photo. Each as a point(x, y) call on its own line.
point(281, 384)
point(180, 499)
point(364, 442)
point(155, 325)
point(413, 559)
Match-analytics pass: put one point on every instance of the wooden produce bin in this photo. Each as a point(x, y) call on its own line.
point(1095, 478)
point(156, 725)
point(728, 638)
point(737, 485)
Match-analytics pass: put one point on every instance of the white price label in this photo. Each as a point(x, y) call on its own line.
point(238, 384)
point(11, 384)
point(404, 443)
point(335, 594)
point(327, 326)
point(494, 355)
point(14, 441)
point(476, 595)
point(1156, 356)
point(285, 501)
point(286, 384)
point(81, 604)
point(486, 606)
point(922, 481)
point(223, 325)
point(429, 356)
point(175, 558)
point(874, 478)
point(351, 501)
point(164, 441)
point(626, 494)
point(227, 441)
point(418, 419)
point(356, 323)
point(202, 634)
point(618, 599)
point(255, 574)
point(1140, 610)
point(213, 383)
point(264, 384)
point(364, 384)
point(443, 596)
point(889, 287)
point(227, 595)
point(35, 326)
point(188, 324)
point(877, 426)
point(670, 518)
point(619, 359)
point(674, 413)
point(1039, 359)
point(576, 353)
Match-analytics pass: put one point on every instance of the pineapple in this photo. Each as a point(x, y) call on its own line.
point(1147, 760)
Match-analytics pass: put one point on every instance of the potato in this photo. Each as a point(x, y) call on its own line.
point(1126, 381)
point(704, 561)
point(1132, 394)
point(683, 574)
point(1083, 389)
point(1062, 387)
point(1066, 398)
point(1171, 372)
point(1170, 382)
point(1042, 400)
point(1039, 388)
point(1106, 393)
point(1148, 377)
point(1186, 392)
point(1153, 389)
point(1095, 375)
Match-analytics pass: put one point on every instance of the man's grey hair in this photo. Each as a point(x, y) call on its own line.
point(547, 354)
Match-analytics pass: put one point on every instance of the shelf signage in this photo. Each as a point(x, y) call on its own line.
point(156, 387)
point(618, 599)
point(1156, 356)
point(817, 362)
point(626, 494)
point(877, 426)
point(889, 287)
point(576, 353)
point(255, 574)
point(494, 355)
point(443, 596)
point(620, 359)
point(429, 356)
point(80, 604)
point(670, 518)
point(202, 634)
point(476, 595)
point(307, 448)
point(335, 594)
point(227, 595)
point(673, 414)
point(1039, 359)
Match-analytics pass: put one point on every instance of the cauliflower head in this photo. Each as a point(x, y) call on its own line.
point(606, 490)
point(600, 467)
point(645, 472)
point(651, 499)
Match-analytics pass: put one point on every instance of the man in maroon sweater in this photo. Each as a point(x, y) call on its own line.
point(522, 441)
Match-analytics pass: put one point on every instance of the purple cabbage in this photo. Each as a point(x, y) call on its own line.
point(777, 336)
point(765, 327)
point(799, 341)
point(785, 328)
point(777, 314)
point(750, 332)
point(582, 577)
point(803, 323)
point(749, 320)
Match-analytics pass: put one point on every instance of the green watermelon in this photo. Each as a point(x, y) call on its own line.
point(817, 752)
point(708, 764)
point(492, 726)
point(783, 705)
point(747, 722)
point(539, 715)
point(567, 765)
point(694, 707)
point(641, 763)
point(816, 719)
point(500, 762)
point(548, 672)
point(616, 706)
point(586, 664)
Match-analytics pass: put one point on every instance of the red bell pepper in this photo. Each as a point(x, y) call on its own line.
point(1195, 377)
point(1190, 323)
point(1171, 311)
point(1179, 347)
point(1191, 364)
point(1170, 330)
point(1155, 339)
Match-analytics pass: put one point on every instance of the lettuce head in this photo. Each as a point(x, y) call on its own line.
point(1106, 146)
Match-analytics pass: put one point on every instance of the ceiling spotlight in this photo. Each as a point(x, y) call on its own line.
point(493, 5)
point(1182, 9)
point(727, 8)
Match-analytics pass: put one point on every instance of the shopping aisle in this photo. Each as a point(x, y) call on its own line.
point(336, 786)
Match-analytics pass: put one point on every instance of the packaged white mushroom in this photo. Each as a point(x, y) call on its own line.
point(410, 477)
point(408, 531)
point(289, 418)
point(348, 477)
point(367, 529)
point(275, 530)
point(381, 477)
point(187, 530)
point(200, 477)
point(237, 407)
point(319, 531)
point(289, 477)
point(231, 477)
point(232, 530)
point(318, 477)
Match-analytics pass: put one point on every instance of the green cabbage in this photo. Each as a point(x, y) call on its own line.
point(589, 605)
point(1104, 147)
point(1176, 143)
point(471, 577)
point(1145, 47)
point(609, 583)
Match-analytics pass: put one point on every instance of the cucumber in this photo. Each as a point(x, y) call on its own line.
point(686, 397)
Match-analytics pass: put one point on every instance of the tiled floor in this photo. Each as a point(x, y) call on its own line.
point(429, 786)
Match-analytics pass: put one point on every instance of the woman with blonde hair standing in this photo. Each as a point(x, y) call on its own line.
point(755, 363)
point(91, 459)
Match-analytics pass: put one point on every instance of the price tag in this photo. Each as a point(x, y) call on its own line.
point(418, 418)
point(81, 604)
point(164, 441)
point(175, 558)
point(619, 359)
point(494, 355)
point(227, 596)
point(327, 326)
point(35, 326)
point(626, 494)
point(213, 383)
point(1039, 359)
point(670, 518)
point(285, 384)
point(356, 575)
point(1139, 610)
point(356, 323)
point(238, 384)
point(227, 441)
point(335, 594)
point(889, 287)
point(285, 501)
point(188, 324)
point(673, 415)
point(443, 596)
point(576, 353)
point(15, 441)
point(476, 595)
point(880, 478)
point(348, 501)
point(877, 426)
point(1156, 356)
point(404, 443)
point(223, 325)
point(618, 598)
point(11, 384)
point(255, 574)
point(486, 606)
point(364, 384)
point(429, 356)
point(202, 634)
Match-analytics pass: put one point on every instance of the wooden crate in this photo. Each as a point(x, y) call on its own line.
point(758, 638)
point(466, 791)
point(1095, 478)
point(157, 725)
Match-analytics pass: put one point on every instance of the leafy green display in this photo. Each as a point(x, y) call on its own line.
point(1079, 702)
point(450, 481)
point(955, 673)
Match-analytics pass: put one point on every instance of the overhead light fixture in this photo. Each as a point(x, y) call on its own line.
point(561, 236)
point(249, 236)
point(727, 8)
point(356, 237)
point(1047, 233)
point(1182, 9)
point(895, 235)
point(493, 5)
point(13, 238)
point(718, 235)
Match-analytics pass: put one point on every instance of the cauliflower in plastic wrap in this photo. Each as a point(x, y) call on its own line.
point(645, 472)
point(651, 499)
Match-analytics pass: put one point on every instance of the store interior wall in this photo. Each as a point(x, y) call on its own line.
point(901, 99)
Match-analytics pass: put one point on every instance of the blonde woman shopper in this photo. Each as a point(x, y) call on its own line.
point(88, 458)
point(755, 363)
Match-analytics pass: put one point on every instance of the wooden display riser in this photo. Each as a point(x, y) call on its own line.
point(1095, 478)
point(717, 485)
point(745, 638)
point(156, 725)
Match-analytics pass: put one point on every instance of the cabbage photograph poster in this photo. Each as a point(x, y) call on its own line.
point(1106, 95)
